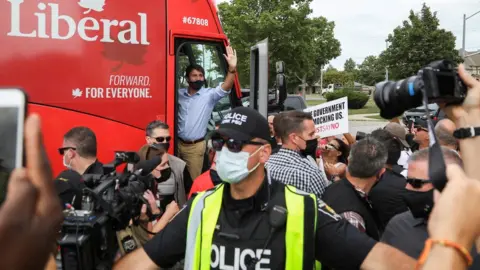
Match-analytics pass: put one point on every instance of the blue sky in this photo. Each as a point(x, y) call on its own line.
point(363, 25)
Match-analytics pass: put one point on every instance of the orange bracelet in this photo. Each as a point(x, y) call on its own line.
point(446, 243)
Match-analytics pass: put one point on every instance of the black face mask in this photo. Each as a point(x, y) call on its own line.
point(311, 148)
point(419, 203)
point(164, 175)
point(165, 146)
point(215, 178)
point(196, 85)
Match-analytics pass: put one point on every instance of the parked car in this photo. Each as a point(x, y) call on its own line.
point(419, 113)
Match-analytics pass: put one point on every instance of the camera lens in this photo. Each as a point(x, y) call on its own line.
point(393, 98)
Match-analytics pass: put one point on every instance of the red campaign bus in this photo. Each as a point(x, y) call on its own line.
point(113, 66)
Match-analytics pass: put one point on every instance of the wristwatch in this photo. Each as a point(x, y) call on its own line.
point(155, 217)
point(468, 132)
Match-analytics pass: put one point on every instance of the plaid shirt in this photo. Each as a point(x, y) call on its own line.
point(290, 168)
point(353, 217)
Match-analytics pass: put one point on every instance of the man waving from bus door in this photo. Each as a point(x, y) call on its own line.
point(253, 222)
point(195, 106)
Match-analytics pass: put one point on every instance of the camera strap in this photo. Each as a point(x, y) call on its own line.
point(436, 162)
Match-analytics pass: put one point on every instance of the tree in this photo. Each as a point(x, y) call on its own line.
point(371, 71)
point(349, 65)
point(333, 76)
point(303, 42)
point(417, 43)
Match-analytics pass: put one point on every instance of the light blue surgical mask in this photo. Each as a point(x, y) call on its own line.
point(233, 167)
point(67, 165)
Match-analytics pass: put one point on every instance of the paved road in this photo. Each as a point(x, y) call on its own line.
point(365, 126)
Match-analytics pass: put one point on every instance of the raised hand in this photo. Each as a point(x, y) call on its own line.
point(231, 58)
point(31, 215)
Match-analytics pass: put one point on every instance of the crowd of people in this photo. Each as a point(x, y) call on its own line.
point(274, 194)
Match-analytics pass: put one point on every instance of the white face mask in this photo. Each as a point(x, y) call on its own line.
point(233, 167)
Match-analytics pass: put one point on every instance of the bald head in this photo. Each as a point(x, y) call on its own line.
point(270, 124)
point(444, 131)
point(446, 124)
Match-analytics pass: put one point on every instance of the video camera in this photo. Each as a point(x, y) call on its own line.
point(439, 81)
point(109, 202)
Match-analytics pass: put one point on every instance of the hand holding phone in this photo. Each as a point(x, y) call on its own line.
point(32, 208)
point(12, 117)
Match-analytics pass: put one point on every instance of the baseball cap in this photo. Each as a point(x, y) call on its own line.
point(399, 132)
point(244, 124)
point(69, 185)
point(420, 123)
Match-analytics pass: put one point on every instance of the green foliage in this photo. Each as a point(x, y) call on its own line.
point(350, 65)
point(371, 71)
point(356, 100)
point(418, 42)
point(303, 42)
point(333, 76)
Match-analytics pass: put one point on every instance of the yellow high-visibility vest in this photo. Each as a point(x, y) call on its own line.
point(203, 217)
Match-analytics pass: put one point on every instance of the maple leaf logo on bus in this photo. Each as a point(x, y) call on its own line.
point(124, 53)
point(96, 5)
point(77, 93)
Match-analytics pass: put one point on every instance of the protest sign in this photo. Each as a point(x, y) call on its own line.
point(330, 118)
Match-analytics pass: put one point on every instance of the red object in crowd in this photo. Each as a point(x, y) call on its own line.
point(201, 183)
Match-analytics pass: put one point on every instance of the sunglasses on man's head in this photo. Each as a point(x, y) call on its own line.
point(417, 183)
point(232, 145)
point(62, 150)
point(163, 139)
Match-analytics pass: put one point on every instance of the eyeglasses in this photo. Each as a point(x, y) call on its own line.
point(417, 183)
point(163, 139)
point(62, 150)
point(232, 145)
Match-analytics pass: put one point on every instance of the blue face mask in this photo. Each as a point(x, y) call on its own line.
point(233, 167)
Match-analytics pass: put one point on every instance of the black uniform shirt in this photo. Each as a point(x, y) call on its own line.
point(95, 168)
point(408, 234)
point(338, 244)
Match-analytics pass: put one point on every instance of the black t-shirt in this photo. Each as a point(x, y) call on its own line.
point(338, 244)
point(95, 168)
point(387, 196)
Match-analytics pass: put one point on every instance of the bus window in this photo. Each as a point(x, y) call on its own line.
point(210, 57)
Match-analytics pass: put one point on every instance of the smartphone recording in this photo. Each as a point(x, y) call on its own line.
point(12, 116)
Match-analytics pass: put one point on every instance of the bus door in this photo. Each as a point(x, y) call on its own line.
point(209, 55)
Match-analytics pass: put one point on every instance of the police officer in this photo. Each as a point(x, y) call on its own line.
point(252, 222)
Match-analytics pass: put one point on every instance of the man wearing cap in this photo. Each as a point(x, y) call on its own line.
point(69, 186)
point(399, 133)
point(251, 222)
point(421, 134)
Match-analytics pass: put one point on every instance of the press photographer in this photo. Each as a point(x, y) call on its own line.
point(109, 203)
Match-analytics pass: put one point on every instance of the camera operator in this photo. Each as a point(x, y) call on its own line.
point(79, 151)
